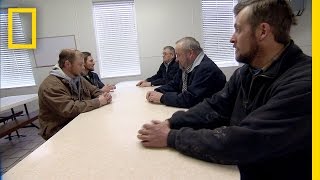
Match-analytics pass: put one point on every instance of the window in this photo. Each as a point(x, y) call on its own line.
point(16, 70)
point(117, 39)
point(217, 24)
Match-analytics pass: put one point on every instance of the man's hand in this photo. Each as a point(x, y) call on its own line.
point(145, 84)
point(154, 134)
point(109, 97)
point(109, 87)
point(105, 98)
point(140, 82)
point(154, 97)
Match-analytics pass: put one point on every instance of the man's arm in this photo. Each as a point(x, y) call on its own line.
point(172, 71)
point(212, 112)
point(94, 91)
point(157, 78)
point(100, 83)
point(281, 126)
point(198, 88)
point(62, 103)
point(172, 86)
point(158, 82)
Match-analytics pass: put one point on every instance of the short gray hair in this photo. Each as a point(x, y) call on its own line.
point(171, 49)
point(190, 43)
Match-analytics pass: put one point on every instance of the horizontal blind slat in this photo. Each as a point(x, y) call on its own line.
point(117, 39)
point(16, 70)
point(218, 18)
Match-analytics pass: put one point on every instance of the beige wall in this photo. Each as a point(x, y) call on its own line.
point(159, 23)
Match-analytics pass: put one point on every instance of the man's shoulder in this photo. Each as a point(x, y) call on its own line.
point(300, 71)
point(51, 83)
point(294, 66)
point(84, 81)
point(174, 64)
point(51, 80)
point(207, 62)
point(207, 65)
point(94, 74)
point(162, 66)
point(295, 61)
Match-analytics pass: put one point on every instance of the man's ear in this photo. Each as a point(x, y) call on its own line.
point(67, 64)
point(191, 53)
point(263, 31)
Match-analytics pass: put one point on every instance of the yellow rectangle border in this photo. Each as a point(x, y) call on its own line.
point(33, 44)
point(315, 91)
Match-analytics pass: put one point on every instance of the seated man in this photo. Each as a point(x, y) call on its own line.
point(64, 94)
point(262, 119)
point(167, 70)
point(198, 78)
point(93, 77)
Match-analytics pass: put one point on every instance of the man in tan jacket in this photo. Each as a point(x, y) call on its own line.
point(64, 94)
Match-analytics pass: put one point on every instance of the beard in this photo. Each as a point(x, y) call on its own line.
point(248, 57)
point(89, 68)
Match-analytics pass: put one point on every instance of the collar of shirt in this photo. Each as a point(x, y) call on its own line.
point(167, 64)
point(196, 62)
point(274, 58)
point(170, 62)
point(255, 71)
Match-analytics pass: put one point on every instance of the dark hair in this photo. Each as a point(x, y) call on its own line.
point(85, 56)
point(67, 55)
point(277, 13)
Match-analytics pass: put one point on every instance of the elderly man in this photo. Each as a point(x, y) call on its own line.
point(167, 70)
point(198, 78)
point(64, 94)
point(261, 120)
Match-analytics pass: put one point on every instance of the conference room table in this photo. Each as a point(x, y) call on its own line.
point(7, 103)
point(103, 144)
point(10, 103)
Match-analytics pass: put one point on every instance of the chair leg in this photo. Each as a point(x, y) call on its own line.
point(9, 137)
point(18, 134)
point(14, 118)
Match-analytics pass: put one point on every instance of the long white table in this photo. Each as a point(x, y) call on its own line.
point(9, 102)
point(102, 144)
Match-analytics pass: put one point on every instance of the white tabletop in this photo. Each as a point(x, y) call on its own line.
point(102, 144)
point(9, 102)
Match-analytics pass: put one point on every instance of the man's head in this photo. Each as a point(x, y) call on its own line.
point(71, 60)
point(259, 25)
point(89, 62)
point(187, 50)
point(168, 54)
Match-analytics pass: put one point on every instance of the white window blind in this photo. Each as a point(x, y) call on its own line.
point(218, 20)
point(16, 70)
point(117, 38)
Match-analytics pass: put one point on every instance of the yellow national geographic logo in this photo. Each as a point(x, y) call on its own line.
point(33, 44)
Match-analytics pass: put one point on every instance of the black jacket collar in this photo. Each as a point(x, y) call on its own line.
point(283, 62)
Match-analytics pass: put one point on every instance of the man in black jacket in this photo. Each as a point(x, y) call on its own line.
point(167, 69)
point(261, 120)
point(198, 78)
point(91, 76)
